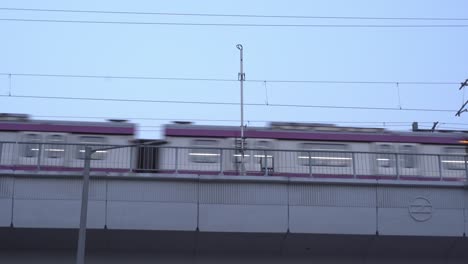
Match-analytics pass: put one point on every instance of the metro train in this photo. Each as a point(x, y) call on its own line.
point(282, 149)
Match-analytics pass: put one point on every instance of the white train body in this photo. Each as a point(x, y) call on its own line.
point(59, 145)
point(283, 149)
point(317, 151)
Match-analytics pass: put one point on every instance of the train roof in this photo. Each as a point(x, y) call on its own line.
point(18, 122)
point(317, 132)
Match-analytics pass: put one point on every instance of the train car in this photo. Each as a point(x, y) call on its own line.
point(317, 150)
point(27, 144)
point(282, 149)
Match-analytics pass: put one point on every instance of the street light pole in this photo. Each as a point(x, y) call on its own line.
point(242, 79)
point(80, 254)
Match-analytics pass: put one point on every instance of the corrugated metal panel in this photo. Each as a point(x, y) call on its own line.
point(465, 202)
point(332, 220)
point(57, 189)
point(243, 218)
point(157, 191)
point(151, 215)
point(5, 212)
point(401, 197)
point(6, 187)
point(427, 222)
point(56, 213)
point(332, 195)
point(243, 193)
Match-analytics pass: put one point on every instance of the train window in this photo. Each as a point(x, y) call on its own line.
point(407, 157)
point(55, 149)
point(324, 155)
point(455, 160)
point(205, 151)
point(385, 156)
point(31, 147)
point(91, 140)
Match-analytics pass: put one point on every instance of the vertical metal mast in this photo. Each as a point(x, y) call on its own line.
point(80, 254)
point(241, 80)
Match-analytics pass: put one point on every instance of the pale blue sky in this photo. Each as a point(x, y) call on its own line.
point(360, 54)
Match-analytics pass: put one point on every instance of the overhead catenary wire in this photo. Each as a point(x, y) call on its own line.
point(293, 81)
point(168, 78)
point(227, 103)
point(102, 22)
point(128, 77)
point(232, 15)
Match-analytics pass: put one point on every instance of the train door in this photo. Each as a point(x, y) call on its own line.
point(147, 155)
point(385, 159)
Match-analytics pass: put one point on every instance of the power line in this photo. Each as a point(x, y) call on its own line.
point(238, 24)
point(233, 15)
point(227, 103)
point(118, 77)
point(358, 82)
point(130, 77)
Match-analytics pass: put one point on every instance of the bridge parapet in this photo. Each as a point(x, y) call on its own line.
point(243, 204)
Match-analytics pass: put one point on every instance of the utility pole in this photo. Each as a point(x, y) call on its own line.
point(241, 77)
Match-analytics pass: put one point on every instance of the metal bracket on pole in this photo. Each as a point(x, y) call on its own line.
point(462, 109)
point(463, 84)
point(434, 126)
